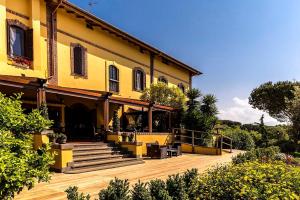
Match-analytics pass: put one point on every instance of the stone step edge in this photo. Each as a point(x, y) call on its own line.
point(103, 167)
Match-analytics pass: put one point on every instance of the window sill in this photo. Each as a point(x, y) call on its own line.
point(79, 76)
point(115, 93)
point(140, 91)
point(20, 62)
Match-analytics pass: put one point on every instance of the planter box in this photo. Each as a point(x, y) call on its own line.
point(63, 157)
point(136, 148)
point(41, 138)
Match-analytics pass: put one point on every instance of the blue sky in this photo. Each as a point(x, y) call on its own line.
point(237, 44)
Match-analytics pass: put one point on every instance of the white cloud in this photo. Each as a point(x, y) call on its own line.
point(242, 111)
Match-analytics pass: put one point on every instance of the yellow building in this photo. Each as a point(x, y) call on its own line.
point(83, 67)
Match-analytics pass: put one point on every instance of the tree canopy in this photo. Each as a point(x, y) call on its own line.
point(274, 98)
point(282, 101)
point(161, 94)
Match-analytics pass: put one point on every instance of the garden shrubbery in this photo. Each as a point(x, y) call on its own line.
point(251, 180)
point(241, 139)
point(247, 180)
point(261, 154)
point(20, 164)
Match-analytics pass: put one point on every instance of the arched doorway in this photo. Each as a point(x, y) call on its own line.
point(80, 122)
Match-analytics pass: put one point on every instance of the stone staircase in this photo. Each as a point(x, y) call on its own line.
point(95, 156)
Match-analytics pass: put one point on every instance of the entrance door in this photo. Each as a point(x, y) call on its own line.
point(80, 122)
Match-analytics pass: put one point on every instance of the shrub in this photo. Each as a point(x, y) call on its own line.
point(73, 194)
point(251, 180)
point(176, 187)
point(190, 178)
point(116, 190)
point(61, 138)
point(116, 122)
point(261, 154)
point(287, 146)
point(158, 190)
point(20, 164)
point(241, 139)
point(140, 192)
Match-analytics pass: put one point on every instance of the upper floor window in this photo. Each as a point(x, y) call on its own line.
point(139, 81)
point(181, 87)
point(19, 42)
point(113, 78)
point(78, 60)
point(162, 79)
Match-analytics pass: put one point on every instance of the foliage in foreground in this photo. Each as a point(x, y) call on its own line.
point(248, 180)
point(261, 154)
point(251, 180)
point(72, 193)
point(20, 165)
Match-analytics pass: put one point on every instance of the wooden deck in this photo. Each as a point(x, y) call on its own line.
point(93, 182)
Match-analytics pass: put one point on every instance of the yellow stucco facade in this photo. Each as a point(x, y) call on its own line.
point(103, 49)
point(55, 27)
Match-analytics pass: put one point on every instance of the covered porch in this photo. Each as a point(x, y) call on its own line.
point(83, 114)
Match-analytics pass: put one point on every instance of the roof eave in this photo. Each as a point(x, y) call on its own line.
point(131, 38)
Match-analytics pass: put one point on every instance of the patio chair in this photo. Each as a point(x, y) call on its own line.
point(176, 149)
point(157, 151)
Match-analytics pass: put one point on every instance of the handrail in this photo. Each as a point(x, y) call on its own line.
point(221, 137)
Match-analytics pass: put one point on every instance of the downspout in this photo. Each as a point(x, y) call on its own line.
point(52, 37)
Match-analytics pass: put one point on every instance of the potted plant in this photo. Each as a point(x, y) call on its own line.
point(116, 122)
point(52, 137)
point(131, 137)
point(124, 137)
point(61, 138)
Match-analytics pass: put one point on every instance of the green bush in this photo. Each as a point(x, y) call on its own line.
point(140, 192)
point(287, 146)
point(117, 190)
point(251, 180)
point(176, 187)
point(73, 194)
point(190, 178)
point(261, 154)
point(241, 139)
point(247, 180)
point(158, 190)
point(20, 164)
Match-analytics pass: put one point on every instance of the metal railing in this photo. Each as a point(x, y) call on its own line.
point(196, 138)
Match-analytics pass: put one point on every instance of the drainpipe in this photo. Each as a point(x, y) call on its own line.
point(52, 36)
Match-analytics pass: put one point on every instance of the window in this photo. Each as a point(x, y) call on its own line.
point(19, 42)
point(139, 81)
point(181, 87)
point(78, 60)
point(113, 78)
point(162, 79)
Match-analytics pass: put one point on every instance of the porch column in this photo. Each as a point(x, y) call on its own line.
point(62, 118)
point(41, 97)
point(170, 120)
point(106, 113)
point(150, 109)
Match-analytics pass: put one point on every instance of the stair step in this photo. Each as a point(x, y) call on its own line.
point(133, 161)
point(101, 162)
point(95, 157)
point(95, 152)
point(92, 148)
